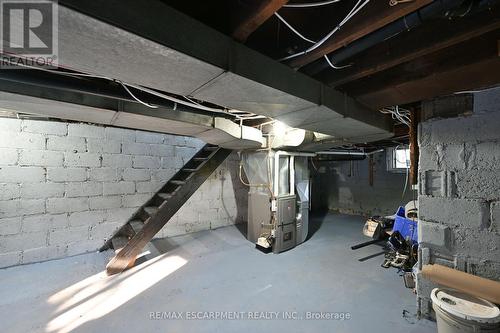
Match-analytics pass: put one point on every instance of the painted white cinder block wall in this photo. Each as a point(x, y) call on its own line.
point(66, 187)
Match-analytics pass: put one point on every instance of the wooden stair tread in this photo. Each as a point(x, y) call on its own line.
point(156, 217)
point(151, 210)
point(119, 243)
point(136, 225)
point(165, 196)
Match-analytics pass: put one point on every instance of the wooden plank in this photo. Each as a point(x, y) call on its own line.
point(469, 77)
point(255, 19)
point(432, 76)
point(389, 56)
point(135, 245)
point(414, 119)
point(372, 17)
point(400, 130)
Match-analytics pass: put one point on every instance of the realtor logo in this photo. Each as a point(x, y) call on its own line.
point(28, 33)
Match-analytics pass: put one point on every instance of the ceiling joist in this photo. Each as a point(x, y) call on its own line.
point(432, 39)
point(374, 16)
point(441, 76)
point(256, 18)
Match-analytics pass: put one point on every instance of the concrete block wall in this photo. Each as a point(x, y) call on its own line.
point(67, 187)
point(221, 201)
point(459, 193)
point(339, 187)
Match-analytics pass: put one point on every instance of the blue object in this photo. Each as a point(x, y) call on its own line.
point(406, 227)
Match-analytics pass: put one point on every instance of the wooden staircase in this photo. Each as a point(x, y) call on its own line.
point(129, 241)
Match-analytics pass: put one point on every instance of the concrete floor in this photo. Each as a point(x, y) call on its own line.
point(216, 271)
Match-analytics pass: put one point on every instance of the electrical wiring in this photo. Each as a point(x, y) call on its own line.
point(176, 100)
point(314, 165)
point(141, 88)
point(248, 184)
point(406, 169)
point(180, 101)
point(399, 114)
point(134, 97)
point(359, 5)
point(92, 76)
point(293, 29)
point(406, 179)
point(310, 41)
point(312, 4)
point(333, 66)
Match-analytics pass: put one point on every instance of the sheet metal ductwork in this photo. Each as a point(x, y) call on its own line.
point(213, 130)
point(174, 53)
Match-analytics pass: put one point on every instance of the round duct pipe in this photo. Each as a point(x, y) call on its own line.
point(442, 8)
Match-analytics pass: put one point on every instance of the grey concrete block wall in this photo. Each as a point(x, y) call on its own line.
point(338, 186)
point(459, 193)
point(67, 187)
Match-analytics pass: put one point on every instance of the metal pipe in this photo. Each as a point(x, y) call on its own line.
point(407, 22)
point(354, 153)
point(291, 153)
point(351, 153)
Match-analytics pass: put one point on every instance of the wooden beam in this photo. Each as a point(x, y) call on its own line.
point(431, 76)
point(477, 75)
point(400, 130)
point(414, 120)
point(153, 223)
point(256, 18)
point(372, 17)
point(431, 38)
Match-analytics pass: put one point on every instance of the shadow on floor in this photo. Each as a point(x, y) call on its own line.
point(157, 247)
point(242, 228)
point(316, 219)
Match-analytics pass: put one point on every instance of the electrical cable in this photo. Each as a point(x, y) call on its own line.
point(314, 166)
point(399, 114)
point(141, 88)
point(333, 66)
point(293, 29)
point(353, 12)
point(137, 99)
point(248, 184)
point(312, 4)
point(406, 182)
point(406, 169)
point(308, 40)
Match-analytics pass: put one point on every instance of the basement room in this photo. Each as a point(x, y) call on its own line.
point(249, 166)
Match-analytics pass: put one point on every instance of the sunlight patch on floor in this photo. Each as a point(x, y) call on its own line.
point(100, 294)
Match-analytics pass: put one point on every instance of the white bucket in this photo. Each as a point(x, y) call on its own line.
point(459, 312)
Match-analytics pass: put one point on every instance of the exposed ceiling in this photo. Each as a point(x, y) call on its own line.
point(229, 54)
point(397, 54)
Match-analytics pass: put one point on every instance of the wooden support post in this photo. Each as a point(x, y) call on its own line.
point(414, 118)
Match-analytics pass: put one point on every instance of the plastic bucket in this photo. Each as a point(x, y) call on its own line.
point(458, 312)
